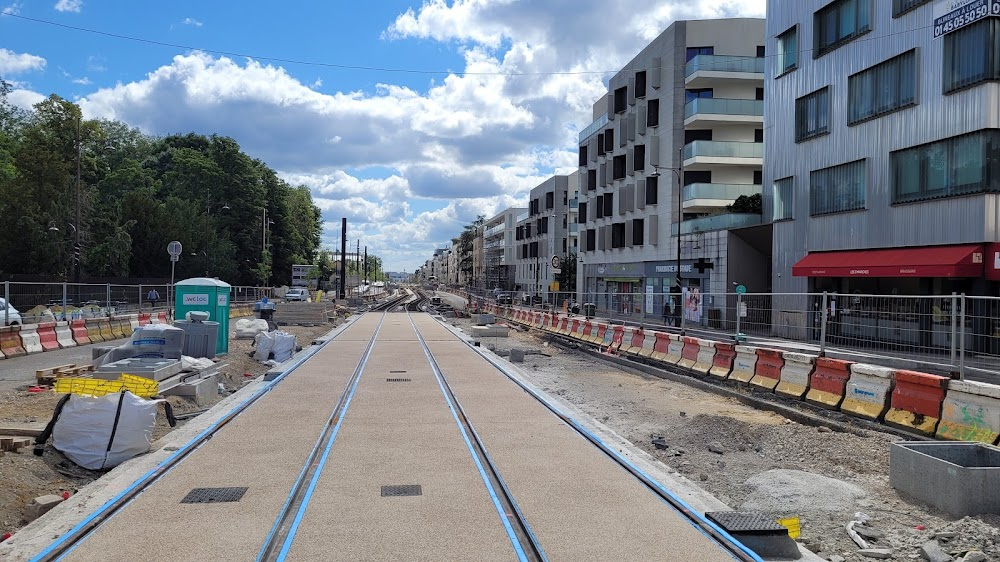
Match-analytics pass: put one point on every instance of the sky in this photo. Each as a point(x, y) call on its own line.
point(409, 118)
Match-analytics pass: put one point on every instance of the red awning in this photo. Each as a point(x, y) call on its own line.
point(930, 261)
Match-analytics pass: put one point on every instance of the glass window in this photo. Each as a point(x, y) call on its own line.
point(883, 88)
point(900, 7)
point(692, 52)
point(693, 94)
point(956, 166)
point(812, 115)
point(838, 188)
point(781, 199)
point(971, 55)
point(838, 23)
point(788, 50)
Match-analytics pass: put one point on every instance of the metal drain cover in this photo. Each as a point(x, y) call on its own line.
point(214, 495)
point(397, 380)
point(399, 490)
point(397, 371)
point(747, 522)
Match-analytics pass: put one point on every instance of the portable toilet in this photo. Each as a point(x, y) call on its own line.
point(201, 294)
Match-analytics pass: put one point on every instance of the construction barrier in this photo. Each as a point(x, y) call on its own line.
point(10, 341)
point(2, 356)
point(767, 372)
point(143, 319)
point(609, 336)
point(564, 326)
point(94, 330)
point(133, 324)
point(106, 333)
point(744, 364)
point(574, 329)
point(868, 390)
point(828, 383)
point(970, 412)
point(116, 328)
point(916, 401)
point(162, 318)
point(617, 338)
point(633, 340)
point(795, 374)
point(79, 329)
point(29, 338)
point(675, 352)
point(648, 344)
point(706, 357)
point(602, 331)
point(661, 346)
point(47, 336)
point(64, 335)
point(689, 353)
point(722, 363)
point(588, 331)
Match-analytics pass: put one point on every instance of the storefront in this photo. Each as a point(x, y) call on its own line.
point(661, 279)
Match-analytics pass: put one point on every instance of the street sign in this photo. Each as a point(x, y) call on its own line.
point(555, 262)
point(174, 249)
point(741, 290)
point(952, 15)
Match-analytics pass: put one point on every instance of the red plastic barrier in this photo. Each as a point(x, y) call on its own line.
point(662, 345)
point(588, 329)
point(616, 340)
point(573, 327)
point(769, 364)
point(79, 329)
point(689, 353)
point(564, 325)
point(725, 353)
point(10, 341)
point(163, 317)
point(916, 401)
point(47, 336)
point(828, 383)
point(601, 330)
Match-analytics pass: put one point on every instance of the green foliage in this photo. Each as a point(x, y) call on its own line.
point(567, 274)
point(137, 193)
point(751, 204)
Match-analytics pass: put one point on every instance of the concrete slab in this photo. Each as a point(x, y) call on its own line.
point(150, 368)
point(493, 331)
point(201, 391)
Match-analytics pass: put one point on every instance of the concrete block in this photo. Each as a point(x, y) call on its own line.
point(483, 319)
point(493, 331)
point(970, 412)
point(744, 364)
point(932, 552)
point(517, 356)
point(203, 391)
point(961, 479)
point(795, 374)
point(868, 391)
point(151, 368)
point(40, 506)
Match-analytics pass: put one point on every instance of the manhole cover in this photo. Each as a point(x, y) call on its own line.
point(214, 495)
point(747, 522)
point(401, 490)
point(397, 371)
point(397, 380)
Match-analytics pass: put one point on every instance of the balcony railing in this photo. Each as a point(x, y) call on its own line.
point(494, 231)
point(727, 221)
point(726, 191)
point(723, 149)
point(594, 127)
point(718, 106)
point(574, 228)
point(522, 217)
point(574, 203)
point(724, 63)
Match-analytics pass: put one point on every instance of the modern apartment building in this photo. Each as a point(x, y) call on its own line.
point(499, 249)
point(883, 150)
point(675, 142)
point(300, 276)
point(542, 232)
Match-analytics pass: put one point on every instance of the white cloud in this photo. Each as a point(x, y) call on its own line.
point(191, 21)
point(13, 9)
point(82, 81)
point(13, 63)
point(24, 98)
point(69, 5)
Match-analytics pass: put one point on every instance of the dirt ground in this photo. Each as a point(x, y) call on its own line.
point(25, 476)
point(754, 459)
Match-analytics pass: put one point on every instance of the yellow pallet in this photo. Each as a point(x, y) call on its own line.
point(140, 386)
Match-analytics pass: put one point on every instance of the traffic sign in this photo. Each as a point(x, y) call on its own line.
point(174, 249)
point(555, 262)
point(741, 289)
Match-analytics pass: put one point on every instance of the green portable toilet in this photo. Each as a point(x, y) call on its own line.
point(205, 295)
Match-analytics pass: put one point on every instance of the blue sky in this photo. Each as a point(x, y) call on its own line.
point(476, 102)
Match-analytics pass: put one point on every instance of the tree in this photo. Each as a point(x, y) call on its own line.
point(567, 274)
point(751, 204)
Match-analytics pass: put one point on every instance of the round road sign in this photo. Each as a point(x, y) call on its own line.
point(555, 262)
point(174, 248)
point(740, 289)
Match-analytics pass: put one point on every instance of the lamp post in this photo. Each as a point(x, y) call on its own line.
point(679, 172)
point(208, 245)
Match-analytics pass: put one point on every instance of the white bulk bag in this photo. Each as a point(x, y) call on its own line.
point(264, 342)
point(101, 433)
point(284, 346)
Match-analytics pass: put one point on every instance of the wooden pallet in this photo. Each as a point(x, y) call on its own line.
point(48, 376)
point(11, 443)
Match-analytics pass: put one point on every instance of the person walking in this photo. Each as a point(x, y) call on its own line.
point(153, 296)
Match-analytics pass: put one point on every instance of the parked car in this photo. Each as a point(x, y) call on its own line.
point(504, 298)
point(296, 294)
point(12, 317)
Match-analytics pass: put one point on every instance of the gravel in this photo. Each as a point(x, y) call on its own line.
point(833, 475)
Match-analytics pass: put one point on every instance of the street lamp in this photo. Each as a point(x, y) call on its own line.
point(679, 172)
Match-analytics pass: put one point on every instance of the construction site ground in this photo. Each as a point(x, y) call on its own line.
point(754, 459)
point(26, 476)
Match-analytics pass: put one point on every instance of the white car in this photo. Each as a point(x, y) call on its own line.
point(11, 317)
point(296, 294)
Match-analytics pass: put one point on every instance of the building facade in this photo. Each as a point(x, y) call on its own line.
point(540, 233)
point(882, 150)
point(300, 276)
point(675, 142)
point(499, 249)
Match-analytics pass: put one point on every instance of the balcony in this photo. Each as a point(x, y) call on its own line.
point(726, 221)
point(706, 112)
point(574, 203)
point(705, 197)
point(707, 70)
point(574, 228)
point(705, 154)
point(594, 128)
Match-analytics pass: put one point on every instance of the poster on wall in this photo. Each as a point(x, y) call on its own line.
point(692, 304)
point(649, 299)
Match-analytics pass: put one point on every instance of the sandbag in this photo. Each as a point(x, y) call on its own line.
point(284, 346)
point(248, 328)
point(101, 433)
point(263, 343)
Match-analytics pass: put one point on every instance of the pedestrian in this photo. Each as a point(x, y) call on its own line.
point(153, 296)
point(666, 308)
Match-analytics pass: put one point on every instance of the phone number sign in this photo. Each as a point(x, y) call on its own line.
point(951, 15)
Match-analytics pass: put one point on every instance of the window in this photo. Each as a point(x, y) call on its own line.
point(956, 166)
point(599, 206)
point(533, 250)
point(621, 99)
point(838, 23)
point(883, 88)
point(609, 204)
point(758, 135)
point(760, 50)
point(581, 216)
point(550, 200)
point(639, 157)
point(609, 140)
point(812, 115)
point(591, 240)
point(591, 180)
point(759, 94)
point(838, 188)
point(900, 7)
point(527, 230)
point(652, 190)
point(696, 93)
point(618, 235)
point(972, 55)
point(699, 176)
point(618, 167)
point(781, 199)
point(788, 51)
point(691, 135)
point(583, 156)
point(692, 52)
point(637, 232)
point(600, 144)
point(653, 113)
point(758, 177)
point(640, 84)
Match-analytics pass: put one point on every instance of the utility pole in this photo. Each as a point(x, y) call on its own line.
point(343, 258)
point(366, 265)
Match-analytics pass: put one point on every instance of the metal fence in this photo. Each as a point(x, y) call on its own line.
point(29, 303)
point(947, 334)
